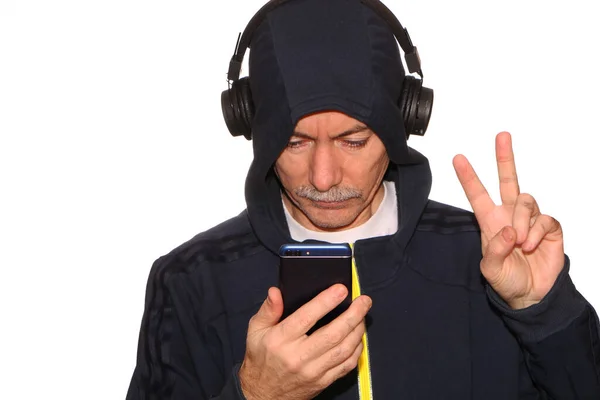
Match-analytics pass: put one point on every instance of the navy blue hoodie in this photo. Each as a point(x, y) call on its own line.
point(436, 329)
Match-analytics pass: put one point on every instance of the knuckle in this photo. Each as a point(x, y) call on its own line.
point(337, 353)
point(346, 351)
point(333, 337)
point(548, 223)
point(527, 200)
point(302, 318)
point(270, 346)
point(271, 343)
point(350, 321)
point(293, 365)
point(309, 374)
point(306, 322)
point(356, 313)
point(557, 224)
point(307, 315)
point(348, 366)
point(552, 221)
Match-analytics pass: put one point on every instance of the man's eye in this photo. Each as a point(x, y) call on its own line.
point(294, 144)
point(355, 144)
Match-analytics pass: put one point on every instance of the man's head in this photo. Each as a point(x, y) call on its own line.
point(331, 171)
point(414, 102)
point(321, 68)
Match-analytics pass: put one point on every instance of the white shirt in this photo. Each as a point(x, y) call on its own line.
point(383, 222)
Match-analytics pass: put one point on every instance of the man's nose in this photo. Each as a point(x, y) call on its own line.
point(325, 168)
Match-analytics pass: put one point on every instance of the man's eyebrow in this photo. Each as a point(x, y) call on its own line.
point(355, 129)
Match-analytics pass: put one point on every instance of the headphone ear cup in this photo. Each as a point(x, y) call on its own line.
point(228, 112)
point(246, 105)
point(238, 108)
point(407, 103)
point(415, 104)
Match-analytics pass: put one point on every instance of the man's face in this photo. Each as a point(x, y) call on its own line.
point(331, 171)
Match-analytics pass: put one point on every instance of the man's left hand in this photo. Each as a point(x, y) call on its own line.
point(523, 250)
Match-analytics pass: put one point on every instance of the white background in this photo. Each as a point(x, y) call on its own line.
point(113, 151)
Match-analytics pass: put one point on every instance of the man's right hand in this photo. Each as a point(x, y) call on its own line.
point(282, 362)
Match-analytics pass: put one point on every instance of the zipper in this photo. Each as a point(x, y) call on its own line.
point(365, 387)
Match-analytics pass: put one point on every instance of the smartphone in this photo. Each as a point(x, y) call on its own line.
point(305, 270)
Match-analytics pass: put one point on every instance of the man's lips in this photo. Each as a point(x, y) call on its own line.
point(329, 205)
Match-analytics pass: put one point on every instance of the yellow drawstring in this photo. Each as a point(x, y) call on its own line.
point(364, 369)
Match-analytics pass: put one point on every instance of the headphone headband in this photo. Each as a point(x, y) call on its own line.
point(411, 55)
point(415, 101)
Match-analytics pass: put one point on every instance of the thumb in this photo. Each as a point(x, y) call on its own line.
point(269, 313)
point(498, 248)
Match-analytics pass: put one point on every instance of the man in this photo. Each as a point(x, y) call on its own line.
point(455, 305)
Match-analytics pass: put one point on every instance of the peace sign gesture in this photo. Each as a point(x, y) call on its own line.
point(522, 248)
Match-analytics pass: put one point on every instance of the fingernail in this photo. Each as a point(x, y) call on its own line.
point(507, 235)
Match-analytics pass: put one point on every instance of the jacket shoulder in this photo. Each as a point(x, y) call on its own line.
point(229, 241)
point(446, 219)
point(447, 246)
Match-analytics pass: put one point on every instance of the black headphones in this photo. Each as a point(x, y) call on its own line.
point(415, 100)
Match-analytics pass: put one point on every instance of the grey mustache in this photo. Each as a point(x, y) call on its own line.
point(334, 194)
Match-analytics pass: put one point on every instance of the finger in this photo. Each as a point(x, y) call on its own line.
point(345, 367)
point(525, 213)
point(269, 313)
point(340, 353)
point(544, 226)
point(304, 318)
point(337, 331)
point(507, 170)
point(499, 247)
point(474, 190)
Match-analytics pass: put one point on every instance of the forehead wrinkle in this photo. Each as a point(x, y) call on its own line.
point(355, 129)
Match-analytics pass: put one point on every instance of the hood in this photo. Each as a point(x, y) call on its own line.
point(316, 55)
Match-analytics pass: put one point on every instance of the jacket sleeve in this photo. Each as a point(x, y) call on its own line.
point(165, 367)
point(560, 341)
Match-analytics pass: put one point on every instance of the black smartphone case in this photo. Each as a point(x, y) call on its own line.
point(302, 278)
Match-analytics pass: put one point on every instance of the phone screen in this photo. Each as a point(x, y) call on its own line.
point(305, 270)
